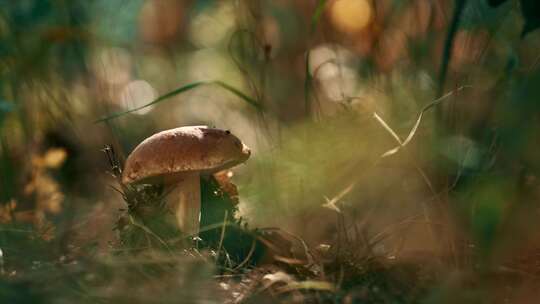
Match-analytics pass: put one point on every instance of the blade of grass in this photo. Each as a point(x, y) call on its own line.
point(307, 82)
point(416, 124)
point(249, 255)
point(317, 15)
point(307, 87)
point(238, 93)
point(159, 99)
point(387, 127)
point(427, 107)
point(308, 284)
point(181, 90)
point(332, 203)
point(222, 236)
point(8, 172)
point(448, 45)
point(135, 223)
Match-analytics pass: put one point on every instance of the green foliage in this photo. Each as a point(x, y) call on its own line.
point(467, 176)
point(531, 14)
point(181, 90)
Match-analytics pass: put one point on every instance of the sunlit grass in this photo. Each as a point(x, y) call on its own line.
point(394, 153)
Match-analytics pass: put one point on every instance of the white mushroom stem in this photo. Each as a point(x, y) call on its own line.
point(184, 200)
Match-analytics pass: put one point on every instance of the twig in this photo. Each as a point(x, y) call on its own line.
point(222, 236)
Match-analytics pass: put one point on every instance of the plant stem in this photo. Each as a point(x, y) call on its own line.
point(184, 200)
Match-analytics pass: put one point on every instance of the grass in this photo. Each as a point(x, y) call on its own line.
point(181, 90)
point(372, 198)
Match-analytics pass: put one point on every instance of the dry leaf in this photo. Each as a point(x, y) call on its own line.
point(226, 185)
point(309, 284)
point(277, 277)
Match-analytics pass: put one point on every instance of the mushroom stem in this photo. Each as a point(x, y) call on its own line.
point(184, 199)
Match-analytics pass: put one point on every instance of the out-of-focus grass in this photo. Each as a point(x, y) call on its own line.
point(454, 209)
point(150, 278)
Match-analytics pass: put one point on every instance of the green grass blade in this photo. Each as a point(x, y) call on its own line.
point(238, 93)
point(307, 87)
point(181, 90)
point(159, 99)
point(317, 15)
point(307, 82)
point(448, 44)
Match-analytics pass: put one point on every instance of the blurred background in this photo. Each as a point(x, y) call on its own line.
point(339, 100)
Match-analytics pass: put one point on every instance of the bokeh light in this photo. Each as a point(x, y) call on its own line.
point(211, 25)
point(350, 16)
point(333, 67)
point(160, 21)
point(138, 93)
point(112, 65)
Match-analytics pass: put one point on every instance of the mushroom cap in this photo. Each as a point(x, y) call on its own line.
point(184, 149)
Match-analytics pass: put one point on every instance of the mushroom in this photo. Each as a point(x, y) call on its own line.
point(177, 158)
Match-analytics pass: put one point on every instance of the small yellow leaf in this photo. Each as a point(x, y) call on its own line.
point(277, 277)
point(55, 157)
point(310, 284)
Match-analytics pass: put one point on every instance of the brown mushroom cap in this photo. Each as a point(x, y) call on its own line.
point(184, 149)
